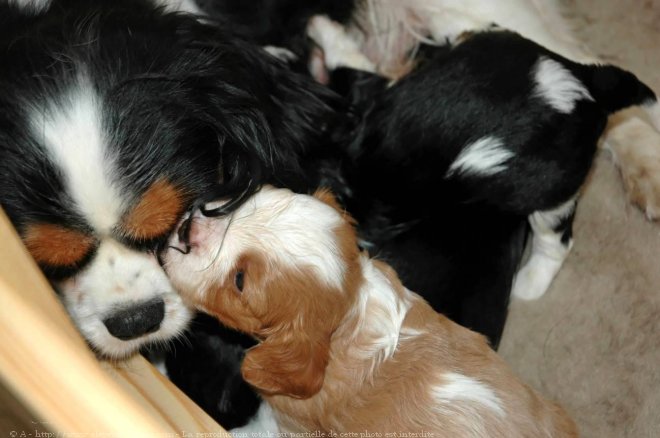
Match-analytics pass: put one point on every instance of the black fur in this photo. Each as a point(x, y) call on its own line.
point(207, 366)
point(183, 100)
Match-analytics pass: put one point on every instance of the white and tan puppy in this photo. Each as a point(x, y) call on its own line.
point(344, 346)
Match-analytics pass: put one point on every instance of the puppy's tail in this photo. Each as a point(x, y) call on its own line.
point(615, 89)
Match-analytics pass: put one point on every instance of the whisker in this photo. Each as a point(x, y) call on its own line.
point(187, 251)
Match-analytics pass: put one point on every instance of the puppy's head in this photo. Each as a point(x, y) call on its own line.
point(113, 119)
point(283, 268)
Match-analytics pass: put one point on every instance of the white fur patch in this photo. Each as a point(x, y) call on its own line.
point(31, 5)
point(486, 156)
point(458, 387)
point(117, 278)
point(188, 6)
point(70, 129)
point(293, 231)
point(380, 314)
point(652, 108)
point(448, 24)
point(635, 147)
point(388, 30)
point(262, 424)
point(548, 253)
point(339, 49)
point(557, 86)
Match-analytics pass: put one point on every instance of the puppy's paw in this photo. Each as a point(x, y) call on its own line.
point(642, 183)
point(530, 284)
point(635, 147)
point(324, 31)
point(339, 49)
point(535, 278)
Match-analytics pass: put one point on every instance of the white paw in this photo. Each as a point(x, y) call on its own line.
point(644, 191)
point(534, 279)
point(530, 284)
point(339, 49)
point(635, 146)
point(324, 31)
point(641, 179)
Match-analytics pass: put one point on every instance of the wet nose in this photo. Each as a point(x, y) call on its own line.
point(137, 320)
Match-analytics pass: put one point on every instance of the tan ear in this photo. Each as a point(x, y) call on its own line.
point(325, 195)
point(293, 366)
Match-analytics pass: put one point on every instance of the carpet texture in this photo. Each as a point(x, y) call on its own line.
point(593, 341)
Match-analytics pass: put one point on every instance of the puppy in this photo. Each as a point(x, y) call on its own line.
point(343, 345)
point(114, 117)
point(495, 118)
point(390, 32)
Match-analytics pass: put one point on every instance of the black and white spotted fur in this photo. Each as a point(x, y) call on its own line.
point(495, 121)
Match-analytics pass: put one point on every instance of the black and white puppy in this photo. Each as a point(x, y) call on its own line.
point(494, 121)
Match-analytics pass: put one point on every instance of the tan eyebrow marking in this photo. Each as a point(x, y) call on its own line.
point(156, 213)
point(56, 245)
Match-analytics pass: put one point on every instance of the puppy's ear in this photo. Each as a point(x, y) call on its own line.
point(256, 103)
point(285, 364)
point(325, 195)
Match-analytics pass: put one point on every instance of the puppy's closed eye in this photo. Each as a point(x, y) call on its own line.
point(239, 280)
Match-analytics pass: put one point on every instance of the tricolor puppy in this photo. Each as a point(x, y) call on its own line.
point(493, 117)
point(388, 32)
point(343, 344)
point(114, 117)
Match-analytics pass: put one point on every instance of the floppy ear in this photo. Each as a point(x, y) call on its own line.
point(325, 195)
point(293, 366)
point(257, 103)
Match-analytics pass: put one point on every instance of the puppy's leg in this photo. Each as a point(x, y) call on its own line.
point(635, 148)
point(448, 25)
point(652, 110)
point(541, 21)
point(263, 421)
point(338, 48)
point(551, 242)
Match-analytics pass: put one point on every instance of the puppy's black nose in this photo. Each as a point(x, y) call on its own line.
point(136, 321)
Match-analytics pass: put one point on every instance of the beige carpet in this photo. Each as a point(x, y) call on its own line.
point(593, 341)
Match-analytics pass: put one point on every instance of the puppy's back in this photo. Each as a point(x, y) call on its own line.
point(475, 393)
